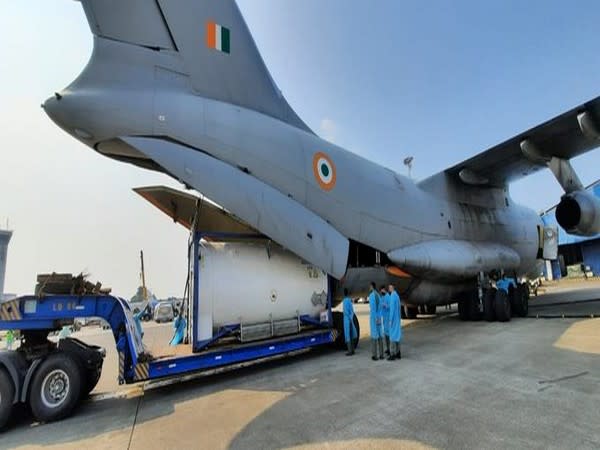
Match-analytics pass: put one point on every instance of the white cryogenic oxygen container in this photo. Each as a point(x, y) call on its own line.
point(252, 283)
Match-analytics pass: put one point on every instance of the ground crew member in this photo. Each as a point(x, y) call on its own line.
point(395, 324)
point(375, 323)
point(349, 329)
point(385, 318)
point(10, 338)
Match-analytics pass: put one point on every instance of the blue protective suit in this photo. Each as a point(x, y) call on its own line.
point(349, 328)
point(179, 325)
point(395, 319)
point(137, 319)
point(375, 315)
point(504, 284)
point(385, 313)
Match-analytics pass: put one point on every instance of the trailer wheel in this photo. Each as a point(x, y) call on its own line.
point(338, 324)
point(7, 394)
point(56, 388)
point(502, 306)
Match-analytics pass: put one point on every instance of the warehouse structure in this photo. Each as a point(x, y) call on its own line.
point(577, 256)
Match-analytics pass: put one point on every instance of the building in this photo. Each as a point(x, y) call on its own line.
point(4, 240)
point(576, 255)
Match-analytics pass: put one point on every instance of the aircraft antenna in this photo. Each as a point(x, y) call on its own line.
point(408, 163)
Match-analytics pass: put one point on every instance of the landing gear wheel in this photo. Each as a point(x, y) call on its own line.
point(463, 310)
point(7, 394)
point(402, 312)
point(521, 301)
point(489, 313)
point(56, 388)
point(338, 325)
point(502, 306)
point(411, 312)
point(430, 309)
point(473, 306)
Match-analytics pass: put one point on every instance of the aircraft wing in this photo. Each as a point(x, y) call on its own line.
point(213, 220)
point(566, 136)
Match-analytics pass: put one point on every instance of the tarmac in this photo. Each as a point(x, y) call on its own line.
point(529, 383)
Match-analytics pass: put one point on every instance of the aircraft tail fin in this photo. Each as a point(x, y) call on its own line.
point(211, 37)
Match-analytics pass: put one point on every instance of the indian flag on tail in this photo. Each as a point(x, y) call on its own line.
point(217, 37)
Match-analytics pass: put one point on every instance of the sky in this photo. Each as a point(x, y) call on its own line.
point(437, 80)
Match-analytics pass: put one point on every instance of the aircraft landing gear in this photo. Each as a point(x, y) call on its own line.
point(520, 300)
point(502, 306)
point(411, 311)
point(468, 308)
point(489, 312)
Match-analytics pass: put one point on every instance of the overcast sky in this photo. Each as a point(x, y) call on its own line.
point(437, 80)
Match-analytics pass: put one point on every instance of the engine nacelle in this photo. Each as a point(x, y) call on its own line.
point(579, 213)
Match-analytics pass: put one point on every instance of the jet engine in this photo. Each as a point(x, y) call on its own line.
point(579, 213)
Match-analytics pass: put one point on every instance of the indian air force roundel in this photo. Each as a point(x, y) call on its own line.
point(324, 171)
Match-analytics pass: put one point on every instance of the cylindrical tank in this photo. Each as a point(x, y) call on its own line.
point(251, 283)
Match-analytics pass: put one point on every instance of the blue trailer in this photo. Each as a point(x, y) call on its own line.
point(52, 377)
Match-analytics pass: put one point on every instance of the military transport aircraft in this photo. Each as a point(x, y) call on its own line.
point(179, 86)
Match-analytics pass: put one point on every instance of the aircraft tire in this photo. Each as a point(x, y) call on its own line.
point(430, 309)
point(411, 312)
point(473, 306)
point(502, 306)
point(489, 312)
point(521, 300)
point(463, 309)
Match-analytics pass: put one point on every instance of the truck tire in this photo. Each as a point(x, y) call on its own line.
point(92, 376)
point(56, 388)
point(489, 313)
point(502, 306)
point(7, 395)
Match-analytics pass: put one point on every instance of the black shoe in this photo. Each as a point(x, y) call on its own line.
point(399, 356)
point(391, 358)
point(374, 358)
point(349, 353)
